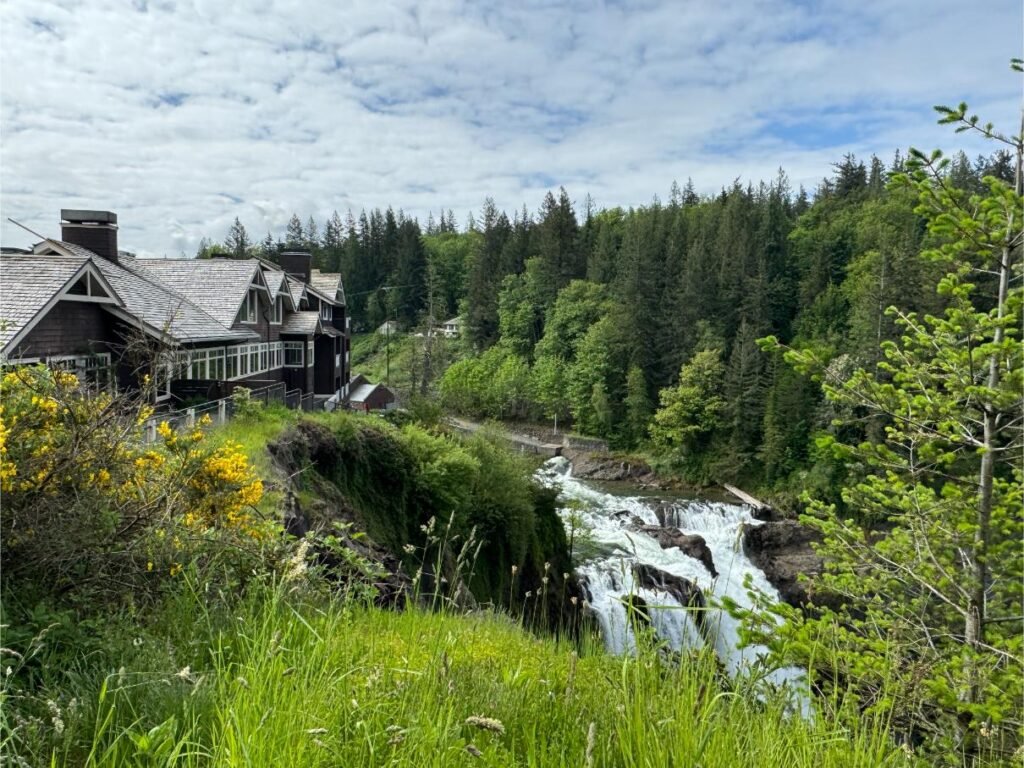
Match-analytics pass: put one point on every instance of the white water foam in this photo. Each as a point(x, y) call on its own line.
point(609, 579)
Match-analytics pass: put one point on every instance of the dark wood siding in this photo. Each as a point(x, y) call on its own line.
point(323, 357)
point(266, 330)
point(70, 328)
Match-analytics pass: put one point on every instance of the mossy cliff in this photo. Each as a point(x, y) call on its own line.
point(492, 525)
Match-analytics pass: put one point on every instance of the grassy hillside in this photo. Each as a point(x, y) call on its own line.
point(247, 654)
point(292, 677)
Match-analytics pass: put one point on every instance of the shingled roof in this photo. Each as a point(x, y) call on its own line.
point(329, 284)
point(155, 304)
point(218, 286)
point(29, 285)
point(297, 289)
point(275, 280)
point(301, 323)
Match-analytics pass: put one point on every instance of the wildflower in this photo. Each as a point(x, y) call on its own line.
point(185, 673)
point(55, 716)
point(544, 581)
point(149, 566)
point(242, 682)
point(515, 570)
point(176, 567)
point(486, 724)
point(297, 563)
point(316, 731)
point(409, 549)
point(529, 593)
point(565, 577)
point(472, 749)
point(547, 567)
point(137, 642)
point(574, 600)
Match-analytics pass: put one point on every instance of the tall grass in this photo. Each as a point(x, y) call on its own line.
point(295, 679)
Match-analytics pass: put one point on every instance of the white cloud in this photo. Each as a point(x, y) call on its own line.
point(181, 116)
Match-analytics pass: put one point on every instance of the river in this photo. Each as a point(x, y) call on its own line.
point(610, 549)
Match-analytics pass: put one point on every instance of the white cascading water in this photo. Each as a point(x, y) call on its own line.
point(609, 579)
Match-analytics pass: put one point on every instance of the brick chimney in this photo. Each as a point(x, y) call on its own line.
point(95, 230)
point(298, 263)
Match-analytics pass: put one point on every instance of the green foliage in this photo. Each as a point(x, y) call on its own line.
point(289, 675)
point(689, 414)
point(924, 566)
point(395, 483)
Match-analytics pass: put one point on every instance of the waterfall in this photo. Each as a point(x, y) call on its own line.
point(608, 525)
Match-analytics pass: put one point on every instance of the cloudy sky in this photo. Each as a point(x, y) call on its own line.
point(180, 116)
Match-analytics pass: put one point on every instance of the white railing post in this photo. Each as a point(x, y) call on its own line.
point(190, 418)
point(222, 411)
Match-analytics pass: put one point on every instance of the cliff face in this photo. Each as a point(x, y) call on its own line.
point(494, 531)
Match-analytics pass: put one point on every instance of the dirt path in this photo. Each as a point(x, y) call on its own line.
point(525, 443)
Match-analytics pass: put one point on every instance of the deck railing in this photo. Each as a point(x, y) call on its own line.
point(220, 411)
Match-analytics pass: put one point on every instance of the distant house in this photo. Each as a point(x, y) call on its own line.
point(219, 323)
point(389, 328)
point(366, 396)
point(452, 328)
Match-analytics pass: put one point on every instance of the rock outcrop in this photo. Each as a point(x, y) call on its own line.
point(691, 545)
point(683, 590)
point(783, 551)
point(601, 466)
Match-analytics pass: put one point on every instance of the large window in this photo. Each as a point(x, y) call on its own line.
point(277, 313)
point(309, 353)
point(293, 354)
point(326, 311)
point(249, 307)
point(276, 351)
point(220, 363)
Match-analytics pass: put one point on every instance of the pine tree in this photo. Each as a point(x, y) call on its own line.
point(311, 235)
point(927, 562)
point(295, 236)
point(237, 243)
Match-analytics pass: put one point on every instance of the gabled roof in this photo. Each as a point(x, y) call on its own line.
point(297, 289)
point(302, 323)
point(275, 281)
point(30, 285)
point(218, 286)
point(363, 392)
point(148, 301)
point(329, 284)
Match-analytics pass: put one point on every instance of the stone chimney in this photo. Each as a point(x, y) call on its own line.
point(95, 230)
point(298, 263)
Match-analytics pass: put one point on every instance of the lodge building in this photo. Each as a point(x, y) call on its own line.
point(82, 304)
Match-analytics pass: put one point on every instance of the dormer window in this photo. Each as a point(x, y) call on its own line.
point(277, 315)
point(249, 307)
point(326, 311)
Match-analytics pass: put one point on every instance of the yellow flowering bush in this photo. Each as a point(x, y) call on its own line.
point(86, 501)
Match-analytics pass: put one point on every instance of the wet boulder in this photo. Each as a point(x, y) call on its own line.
point(683, 590)
point(783, 551)
point(689, 544)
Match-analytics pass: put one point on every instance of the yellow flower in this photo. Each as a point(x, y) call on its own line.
point(164, 430)
point(149, 566)
point(175, 569)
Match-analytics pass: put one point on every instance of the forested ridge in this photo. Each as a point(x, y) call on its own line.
point(597, 316)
